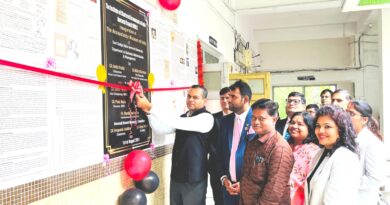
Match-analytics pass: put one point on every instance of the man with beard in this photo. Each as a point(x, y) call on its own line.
point(234, 133)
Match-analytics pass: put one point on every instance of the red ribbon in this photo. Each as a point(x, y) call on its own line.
point(135, 88)
point(80, 79)
point(200, 63)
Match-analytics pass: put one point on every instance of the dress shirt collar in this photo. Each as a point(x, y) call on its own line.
point(265, 137)
point(224, 114)
point(242, 116)
point(287, 121)
point(196, 112)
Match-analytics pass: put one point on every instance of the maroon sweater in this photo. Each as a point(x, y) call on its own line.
point(268, 162)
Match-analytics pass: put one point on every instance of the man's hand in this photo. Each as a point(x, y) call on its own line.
point(236, 186)
point(232, 189)
point(143, 103)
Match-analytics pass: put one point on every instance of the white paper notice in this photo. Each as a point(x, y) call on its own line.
point(178, 56)
point(49, 125)
point(24, 33)
point(25, 137)
point(160, 52)
point(173, 61)
point(79, 125)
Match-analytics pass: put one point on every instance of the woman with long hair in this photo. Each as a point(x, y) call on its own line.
point(334, 172)
point(304, 146)
point(371, 151)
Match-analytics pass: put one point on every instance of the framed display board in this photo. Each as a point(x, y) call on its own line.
point(126, 58)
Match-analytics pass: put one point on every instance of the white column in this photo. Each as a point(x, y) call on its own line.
point(384, 55)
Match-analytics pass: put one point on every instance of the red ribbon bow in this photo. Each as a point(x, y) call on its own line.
point(135, 88)
point(50, 63)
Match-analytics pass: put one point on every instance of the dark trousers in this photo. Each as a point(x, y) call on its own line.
point(216, 186)
point(185, 193)
point(229, 199)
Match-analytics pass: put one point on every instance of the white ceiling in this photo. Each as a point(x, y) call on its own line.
point(300, 18)
point(245, 6)
point(255, 16)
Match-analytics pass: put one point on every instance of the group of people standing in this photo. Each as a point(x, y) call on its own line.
point(253, 157)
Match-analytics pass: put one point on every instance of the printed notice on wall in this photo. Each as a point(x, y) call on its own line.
point(125, 48)
point(173, 61)
point(49, 125)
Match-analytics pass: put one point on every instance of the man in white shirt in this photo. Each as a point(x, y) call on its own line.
point(341, 98)
point(189, 154)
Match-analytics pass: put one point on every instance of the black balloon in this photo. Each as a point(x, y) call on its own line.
point(133, 196)
point(149, 183)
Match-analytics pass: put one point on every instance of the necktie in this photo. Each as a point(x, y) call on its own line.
point(286, 135)
point(236, 139)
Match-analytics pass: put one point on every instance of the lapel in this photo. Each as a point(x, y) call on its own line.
point(321, 173)
point(245, 128)
point(244, 131)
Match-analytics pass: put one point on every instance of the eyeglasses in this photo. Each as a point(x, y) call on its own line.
point(293, 101)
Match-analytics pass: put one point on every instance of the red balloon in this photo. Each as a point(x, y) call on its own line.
point(170, 4)
point(137, 164)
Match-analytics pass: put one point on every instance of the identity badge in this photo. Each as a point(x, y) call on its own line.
point(259, 159)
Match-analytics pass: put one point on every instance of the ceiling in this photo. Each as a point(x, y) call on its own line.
point(248, 6)
point(256, 17)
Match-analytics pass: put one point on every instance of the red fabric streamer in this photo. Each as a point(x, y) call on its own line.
point(80, 79)
point(135, 88)
point(200, 63)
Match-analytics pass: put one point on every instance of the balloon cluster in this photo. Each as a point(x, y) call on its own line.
point(137, 165)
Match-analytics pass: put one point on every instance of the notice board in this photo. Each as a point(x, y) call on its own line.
point(48, 125)
point(126, 58)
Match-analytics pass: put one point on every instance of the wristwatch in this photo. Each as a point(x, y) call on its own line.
point(223, 179)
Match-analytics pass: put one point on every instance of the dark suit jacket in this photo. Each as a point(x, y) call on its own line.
point(213, 142)
point(280, 125)
point(225, 144)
